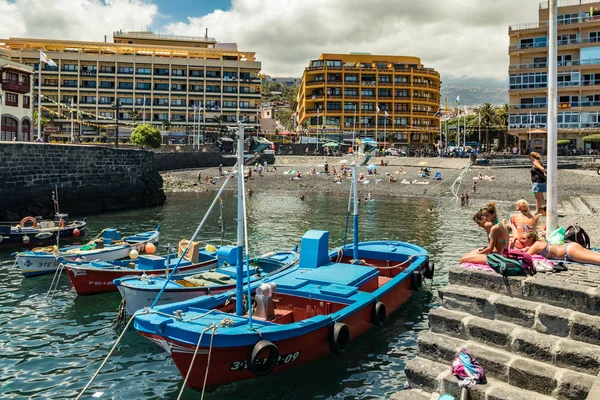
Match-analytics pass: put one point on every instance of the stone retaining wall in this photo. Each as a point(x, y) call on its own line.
point(90, 179)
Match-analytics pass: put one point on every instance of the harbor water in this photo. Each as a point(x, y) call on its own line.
point(50, 349)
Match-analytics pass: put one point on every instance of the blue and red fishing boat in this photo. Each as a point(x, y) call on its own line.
point(329, 299)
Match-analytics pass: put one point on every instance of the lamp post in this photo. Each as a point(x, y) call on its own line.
point(116, 105)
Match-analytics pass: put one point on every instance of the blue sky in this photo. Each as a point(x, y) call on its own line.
point(180, 10)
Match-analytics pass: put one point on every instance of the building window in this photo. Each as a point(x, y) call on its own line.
point(349, 106)
point(140, 101)
point(107, 114)
point(415, 137)
point(107, 85)
point(26, 102)
point(9, 128)
point(125, 70)
point(161, 86)
point(178, 102)
point(350, 92)
point(69, 67)
point(161, 102)
point(26, 129)
point(402, 93)
point(88, 99)
point(244, 104)
point(316, 64)
point(143, 71)
point(230, 104)
point(213, 89)
point(106, 100)
point(11, 99)
point(178, 72)
point(197, 73)
point(334, 105)
point(367, 92)
point(229, 89)
point(334, 63)
point(213, 74)
point(403, 137)
point(126, 85)
point(126, 100)
point(196, 88)
point(178, 87)
point(105, 69)
point(143, 86)
point(69, 83)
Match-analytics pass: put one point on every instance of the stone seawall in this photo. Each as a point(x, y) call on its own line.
point(197, 159)
point(90, 179)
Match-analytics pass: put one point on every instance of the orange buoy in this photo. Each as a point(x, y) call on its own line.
point(150, 248)
point(76, 232)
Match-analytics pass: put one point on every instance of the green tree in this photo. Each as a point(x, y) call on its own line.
point(489, 120)
point(502, 121)
point(146, 135)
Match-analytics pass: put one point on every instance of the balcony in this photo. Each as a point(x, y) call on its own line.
point(351, 83)
point(88, 73)
point(314, 83)
point(384, 83)
point(16, 86)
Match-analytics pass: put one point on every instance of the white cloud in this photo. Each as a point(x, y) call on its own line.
point(459, 38)
point(73, 19)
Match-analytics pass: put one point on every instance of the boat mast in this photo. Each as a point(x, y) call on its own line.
point(239, 274)
point(355, 192)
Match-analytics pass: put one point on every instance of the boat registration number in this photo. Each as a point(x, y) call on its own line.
point(282, 360)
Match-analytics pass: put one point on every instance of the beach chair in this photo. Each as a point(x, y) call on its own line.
point(438, 176)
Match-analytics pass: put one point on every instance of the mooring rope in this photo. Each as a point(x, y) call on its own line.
point(209, 327)
point(459, 181)
point(106, 359)
point(56, 278)
point(13, 267)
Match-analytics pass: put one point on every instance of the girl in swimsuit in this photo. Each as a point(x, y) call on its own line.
point(570, 251)
point(497, 238)
point(522, 222)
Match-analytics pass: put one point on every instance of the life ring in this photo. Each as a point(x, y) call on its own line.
point(378, 314)
point(339, 336)
point(416, 280)
point(28, 219)
point(260, 366)
point(429, 269)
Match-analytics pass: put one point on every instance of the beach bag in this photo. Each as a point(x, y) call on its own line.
point(466, 367)
point(524, 258)
point(556, 237)
point(575, 233)
point(505, 266)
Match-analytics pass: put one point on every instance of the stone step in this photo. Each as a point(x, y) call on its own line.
point(436, 377)
point(514, 370)
point(540, 317)
point(580, 206)
point(593, 202)
point(576, 289)
point(506, 336)
point(567, 208)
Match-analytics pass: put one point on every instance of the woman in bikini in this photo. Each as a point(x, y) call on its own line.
point(538, 181)
point(570, 251)
point(498, 236)
point(522, 222)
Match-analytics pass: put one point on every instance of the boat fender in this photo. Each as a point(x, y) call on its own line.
point(339, 336)
point(429, 269)
point(261, 366)
point(416, 280)
point(378, 314)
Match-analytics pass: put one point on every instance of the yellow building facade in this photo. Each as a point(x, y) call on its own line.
point(393, 98)
point(578, 76)
point(180, 84)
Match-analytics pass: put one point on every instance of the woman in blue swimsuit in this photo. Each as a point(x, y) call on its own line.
point(571, 251)
point(498, 237)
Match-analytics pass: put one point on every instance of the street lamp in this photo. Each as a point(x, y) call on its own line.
point(115, 105)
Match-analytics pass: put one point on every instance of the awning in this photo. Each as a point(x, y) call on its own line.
point(15, 68)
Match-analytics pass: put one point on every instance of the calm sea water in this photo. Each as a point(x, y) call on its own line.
point(51, 349)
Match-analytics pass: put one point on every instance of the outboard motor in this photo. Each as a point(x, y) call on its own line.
point(264, 300)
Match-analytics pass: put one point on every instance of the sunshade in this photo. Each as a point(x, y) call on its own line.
point(330, 144)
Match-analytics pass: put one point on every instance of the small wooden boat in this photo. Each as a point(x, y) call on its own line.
point(98, 276)
point(106, 247)
point(140, 291)
point(34, 232)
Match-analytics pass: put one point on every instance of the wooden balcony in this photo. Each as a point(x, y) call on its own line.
point(16, 86)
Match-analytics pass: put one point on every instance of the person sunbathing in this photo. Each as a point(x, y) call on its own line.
point(498, 237)
point(523, 222)
point(570, 251)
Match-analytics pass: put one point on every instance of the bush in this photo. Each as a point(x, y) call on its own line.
point(592, 138)
point(146, 135)
point(563, 142)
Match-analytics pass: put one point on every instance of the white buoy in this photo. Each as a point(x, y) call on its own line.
point(133, 254)
point(25, 239)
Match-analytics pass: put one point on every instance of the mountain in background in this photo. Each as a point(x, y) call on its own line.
point(474, 95)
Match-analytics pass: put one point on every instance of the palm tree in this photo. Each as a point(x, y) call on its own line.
point(502, 119)
point(488, 115)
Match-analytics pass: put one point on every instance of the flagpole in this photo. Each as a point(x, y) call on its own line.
point(479, 110)
point(465, 131)
point(39, 119)
point(552, 220)
point(376, 125)
point(144, 111)
point(72, 121)
point(440, 147)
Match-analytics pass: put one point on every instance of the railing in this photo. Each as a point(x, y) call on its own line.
point(566, 3)
point(560, 42)
point(150, 35)
point(88, 73)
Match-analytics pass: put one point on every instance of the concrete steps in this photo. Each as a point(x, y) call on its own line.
point(521, 342)
point(433, 376)
point(536, 337)
point(577, 289)
point(542, 318)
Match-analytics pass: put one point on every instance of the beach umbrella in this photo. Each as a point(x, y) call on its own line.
point(343, 162)
point(371, 167)
point(330, 144)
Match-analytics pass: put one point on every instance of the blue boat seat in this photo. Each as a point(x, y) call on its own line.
point(314, 250)
point(339, 290)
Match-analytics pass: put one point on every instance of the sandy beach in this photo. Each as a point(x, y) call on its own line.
point(507, 184)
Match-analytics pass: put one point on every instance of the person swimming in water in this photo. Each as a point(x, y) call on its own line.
point(498, 236)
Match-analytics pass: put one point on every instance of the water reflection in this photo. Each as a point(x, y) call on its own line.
point(51, 350)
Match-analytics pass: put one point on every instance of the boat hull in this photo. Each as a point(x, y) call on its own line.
point(136, 298)
point(34, 237)
point(91, 280)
